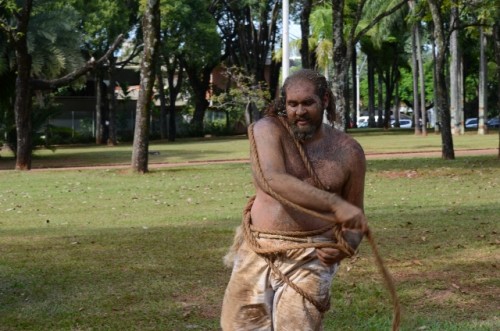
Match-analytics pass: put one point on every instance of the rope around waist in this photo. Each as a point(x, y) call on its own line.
point(298, 239)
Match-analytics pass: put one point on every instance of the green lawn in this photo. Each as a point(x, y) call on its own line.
point(106, 249)
point(230, 148)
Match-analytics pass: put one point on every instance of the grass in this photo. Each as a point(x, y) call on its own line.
point(230, 148)
point(105, 249)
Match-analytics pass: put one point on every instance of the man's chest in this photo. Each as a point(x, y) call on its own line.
point(325, 162)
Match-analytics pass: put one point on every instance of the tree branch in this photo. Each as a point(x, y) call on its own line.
point(42, 84)
point(377, 19)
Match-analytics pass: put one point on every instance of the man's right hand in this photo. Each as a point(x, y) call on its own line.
point(350, 216)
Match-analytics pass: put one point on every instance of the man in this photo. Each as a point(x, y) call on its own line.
point(308, 178)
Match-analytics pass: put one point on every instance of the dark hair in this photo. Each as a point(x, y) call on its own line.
point(320, 86)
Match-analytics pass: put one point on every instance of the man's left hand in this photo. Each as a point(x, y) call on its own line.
point(330, 256)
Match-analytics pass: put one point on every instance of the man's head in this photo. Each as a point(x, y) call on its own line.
point(305, 96)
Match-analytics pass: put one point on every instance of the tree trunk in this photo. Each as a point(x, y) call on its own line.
point(112, 141)
point(423, 111)
point(199, 79)
point(341, 61)
point(23, 106)
point(304, 28)
point(457, 125)
point(151, 24)
point(380, 98)
point(496, 37)
point(483, 91)
point(173, 91)
point(174, 68)
point(354, 70)
point(347, 96)
point(200, 106)
point(391, 81)
point(371, 91)
point(22, 102)
point(163, 103)
point(396, 104)
point(99, 131)
point(416, 101)
point(436, 114)
point(442, 106)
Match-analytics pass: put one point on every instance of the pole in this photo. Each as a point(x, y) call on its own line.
point(286, 53)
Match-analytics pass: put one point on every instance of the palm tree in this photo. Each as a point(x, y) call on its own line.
point(344, 40)
point(32, 73)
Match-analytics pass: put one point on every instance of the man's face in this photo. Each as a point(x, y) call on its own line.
point(304, 109)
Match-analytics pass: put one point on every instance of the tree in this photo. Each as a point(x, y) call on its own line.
point(15, 24)
point(496, 34)
point(384, 46)
point(442, 105)
point(305, 54)
point(343, 46)
point(242, 93)
point(151, 26)
point(102, 21)
point(456, 74)
point(250, 29)
point(483, 95)
point(175, 26)
point(200, 54)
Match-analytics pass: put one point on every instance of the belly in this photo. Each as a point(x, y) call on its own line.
point(269, 214)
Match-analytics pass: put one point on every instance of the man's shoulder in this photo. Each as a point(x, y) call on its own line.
point(267, 124)
point(345, 142)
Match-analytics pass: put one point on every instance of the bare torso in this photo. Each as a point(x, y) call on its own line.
point(333, 155)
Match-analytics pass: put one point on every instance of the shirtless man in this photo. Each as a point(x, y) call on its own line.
point(263, 292)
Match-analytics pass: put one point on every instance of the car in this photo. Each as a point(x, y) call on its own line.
point(493, 123)
point(403, 123)
point(364, 120)
point(471, 123)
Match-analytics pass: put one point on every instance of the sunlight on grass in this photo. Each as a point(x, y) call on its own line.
point(111, 250)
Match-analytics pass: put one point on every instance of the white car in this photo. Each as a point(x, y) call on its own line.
point(471, 123)
point(403, 123)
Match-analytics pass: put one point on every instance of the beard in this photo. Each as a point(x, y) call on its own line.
point(303, 133)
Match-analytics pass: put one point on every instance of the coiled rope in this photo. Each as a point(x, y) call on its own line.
point(341, 244)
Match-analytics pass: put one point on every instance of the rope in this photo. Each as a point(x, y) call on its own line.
point(341, 244)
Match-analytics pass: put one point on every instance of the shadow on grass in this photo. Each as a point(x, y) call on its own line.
point(172, 278)
point(117, 279)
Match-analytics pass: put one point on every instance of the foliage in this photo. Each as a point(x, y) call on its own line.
point(193, 31)
point(103, 20)
point(406, 85)
point(53, 40)
point(243, 92)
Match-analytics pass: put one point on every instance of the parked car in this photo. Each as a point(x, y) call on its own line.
point(403, 123)
point(471, 123)
point(363, 121)
point(493, 123)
